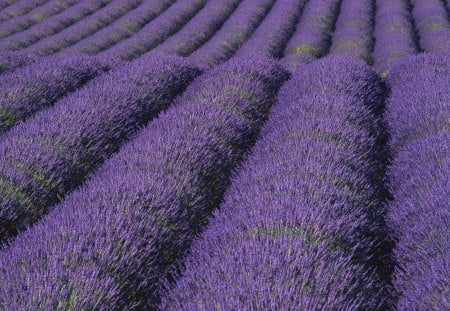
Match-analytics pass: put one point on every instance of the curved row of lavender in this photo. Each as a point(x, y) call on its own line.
point(121, 29)
point(6, 3)
point(395, 37)
point(299, 224)
point(354, 30)
point(29, 89)
point(432, 22)
point(109, 245)
point(272, 34)
point(199, 29)
point(158, 30)
point(52, 153)
point(418, 114)
point(20, 7)
point(12, 60)
point(312, 38)
point(23, 22)
point(84, 28)
point(234, 32)
point(52, 25)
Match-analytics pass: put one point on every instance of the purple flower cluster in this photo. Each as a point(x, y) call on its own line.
point(432, 22)
point(122, 28)
point(52, 25)
point(272, 35)
point(83, 28)
point(12, 60)
point(418, 114)
point(295, 229)
point(110, 243)
point(311, 40)
point(394, 34)
point(155, 32)
point(52, 153)
point(20, 7)
point(234, 32)
point(199, 29)
point(26, 90)
point(33, 17)
point(354, 27)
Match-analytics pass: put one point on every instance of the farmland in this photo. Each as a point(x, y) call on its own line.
point(225, 155)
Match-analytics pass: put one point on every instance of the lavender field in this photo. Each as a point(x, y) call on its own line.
point(225, 155)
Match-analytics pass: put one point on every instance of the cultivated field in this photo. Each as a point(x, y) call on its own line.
point(225, 155)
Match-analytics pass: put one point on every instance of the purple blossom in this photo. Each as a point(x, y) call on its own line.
point(20, 7)
point(12, 60)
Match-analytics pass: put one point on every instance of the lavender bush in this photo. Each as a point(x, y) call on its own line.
point(121, 29)
point(33, 17)
point(395, 37)
point(418, 112)
point(53, 25)
point(432, 21)
point(300, 223)
point(12, 60)
point(110, 243)
point(234, 32)
point(272, 35)
point(155, 32)
point(52, 153)
point(26, 90)
point(311, 40)
point(6, 3)
point(18, 8)
point(199, 29)
point(84, 28)
point(354, 27)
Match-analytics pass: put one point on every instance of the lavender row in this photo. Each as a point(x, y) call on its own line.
point(52, 25)
point(83, 28)
point(51, 154)
point(293, 231)
point(158, 30)
point(6, 3)
point(27, 90)
point(312, 38)
point(234, 32)
point(394, 34)
point(109, 244)
point(12, 60)
point(19, 8)
point(432, 22)
point(418, 114)
point(121, 29)
point(23, 22)
point(354, 27)
point(199, 29)
point(274, 32)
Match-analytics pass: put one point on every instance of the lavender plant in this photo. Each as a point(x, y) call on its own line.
point(432, 21)
point(84, 28)
point(312, 38)
point(234, 32)
point(354, 28)
point(110, 243)
point(27, 90)
point(23, 22)
point(300, 223)
point(418, 113)
point(273, 33)
point(12, 60)
point(121, 29)
point(52, 25)
point(199, 29)
point(51, 154)
point(155, 32)
point(18, 8)
point(395, 37)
